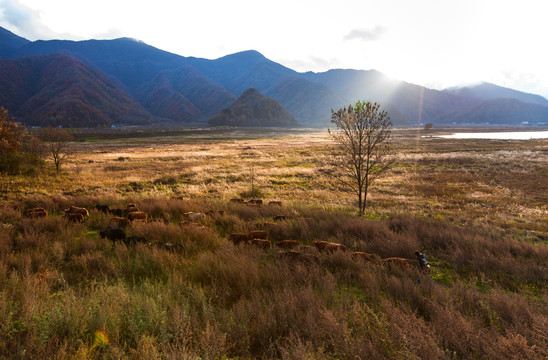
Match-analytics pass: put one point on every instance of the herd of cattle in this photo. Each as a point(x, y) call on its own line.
point(291, 249)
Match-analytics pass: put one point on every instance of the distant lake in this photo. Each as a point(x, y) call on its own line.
point(509, 135)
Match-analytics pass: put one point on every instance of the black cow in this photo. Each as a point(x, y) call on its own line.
point(105, 209)
point(113, 234)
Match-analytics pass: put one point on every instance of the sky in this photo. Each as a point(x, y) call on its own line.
point(434, 43)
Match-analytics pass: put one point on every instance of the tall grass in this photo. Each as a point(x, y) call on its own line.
point(60, 283)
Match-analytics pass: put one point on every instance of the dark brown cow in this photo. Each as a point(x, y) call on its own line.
point(255, 201)
point(137, 216)
point(262, 243)
point(258, 234)
point(329, 246)
point(119, 222)
point(74, 217)
point(397, 262)
point(275, 203)
point(238, 238)
point(359, 255)
point(271, 225)
point(77, 210)
point(287, 244)
point(299, 256)
point(237, 201)
point(131, 209)
point(35, 212)
point(282, 217)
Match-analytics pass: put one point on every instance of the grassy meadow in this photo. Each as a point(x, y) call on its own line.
point(477, 208)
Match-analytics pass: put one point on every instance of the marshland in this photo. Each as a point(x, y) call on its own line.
point(477, 208)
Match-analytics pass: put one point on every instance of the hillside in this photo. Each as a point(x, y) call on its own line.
point(505, 111)
point(254, 109)
point(52, 90)
point(487, 91)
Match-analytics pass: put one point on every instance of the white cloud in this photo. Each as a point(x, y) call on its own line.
point(366, 34)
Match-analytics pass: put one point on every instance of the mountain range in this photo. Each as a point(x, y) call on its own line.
point(125, 81)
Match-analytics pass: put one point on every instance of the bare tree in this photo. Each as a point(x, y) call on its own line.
point(362, 142)
point(57, 144)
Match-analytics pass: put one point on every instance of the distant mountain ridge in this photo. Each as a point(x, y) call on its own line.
point(163, 87)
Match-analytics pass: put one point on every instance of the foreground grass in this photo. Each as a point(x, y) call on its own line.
point(479, 215)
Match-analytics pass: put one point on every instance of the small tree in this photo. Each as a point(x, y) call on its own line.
point(428, 127)
point(362, 142)
point(57, 140)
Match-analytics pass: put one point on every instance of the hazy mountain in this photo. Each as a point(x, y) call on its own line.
point(309, 102)
point(190, 90)
point(487, 91)
point(505, 111)
point(254, 109)
point(60, 90)
point(183, 94)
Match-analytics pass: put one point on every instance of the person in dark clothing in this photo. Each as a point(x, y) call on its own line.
point(423, 263)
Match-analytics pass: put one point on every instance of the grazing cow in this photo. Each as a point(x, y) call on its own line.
point(238, 238)
point(275, 203)
point(35, 212)
point(134, 240)
point(119, 222)
point(167, 246)
point(282, 217)
point(236, 201)
point(299, 256)
point(287, 244)
point(329, 246)
point(255, 201)
point(74, 217)
point(79, 210)
point(262, 243)
point(359, 255)
point(215, 212)
point(113, 234)
point(192, 216)
point(117, 212)
point(271, 226)
point(258, 234)
point(397, 262)
point(105, 209)
point(137, 216)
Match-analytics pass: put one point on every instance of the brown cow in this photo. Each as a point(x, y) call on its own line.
point(131, 209)
point(307, 248)
point(237, 201)
point(118, 222)
point(299, 256)
point(329, 246)
point(137, 216)
point(35, 212)
point(255, 201)
point(275, 203)
point(287, 244)
point(74, 217)
point(359, 255)
point(397, 262)
point(262, 243)
point(238, 238)
point(77, 210)
point(258, 234)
